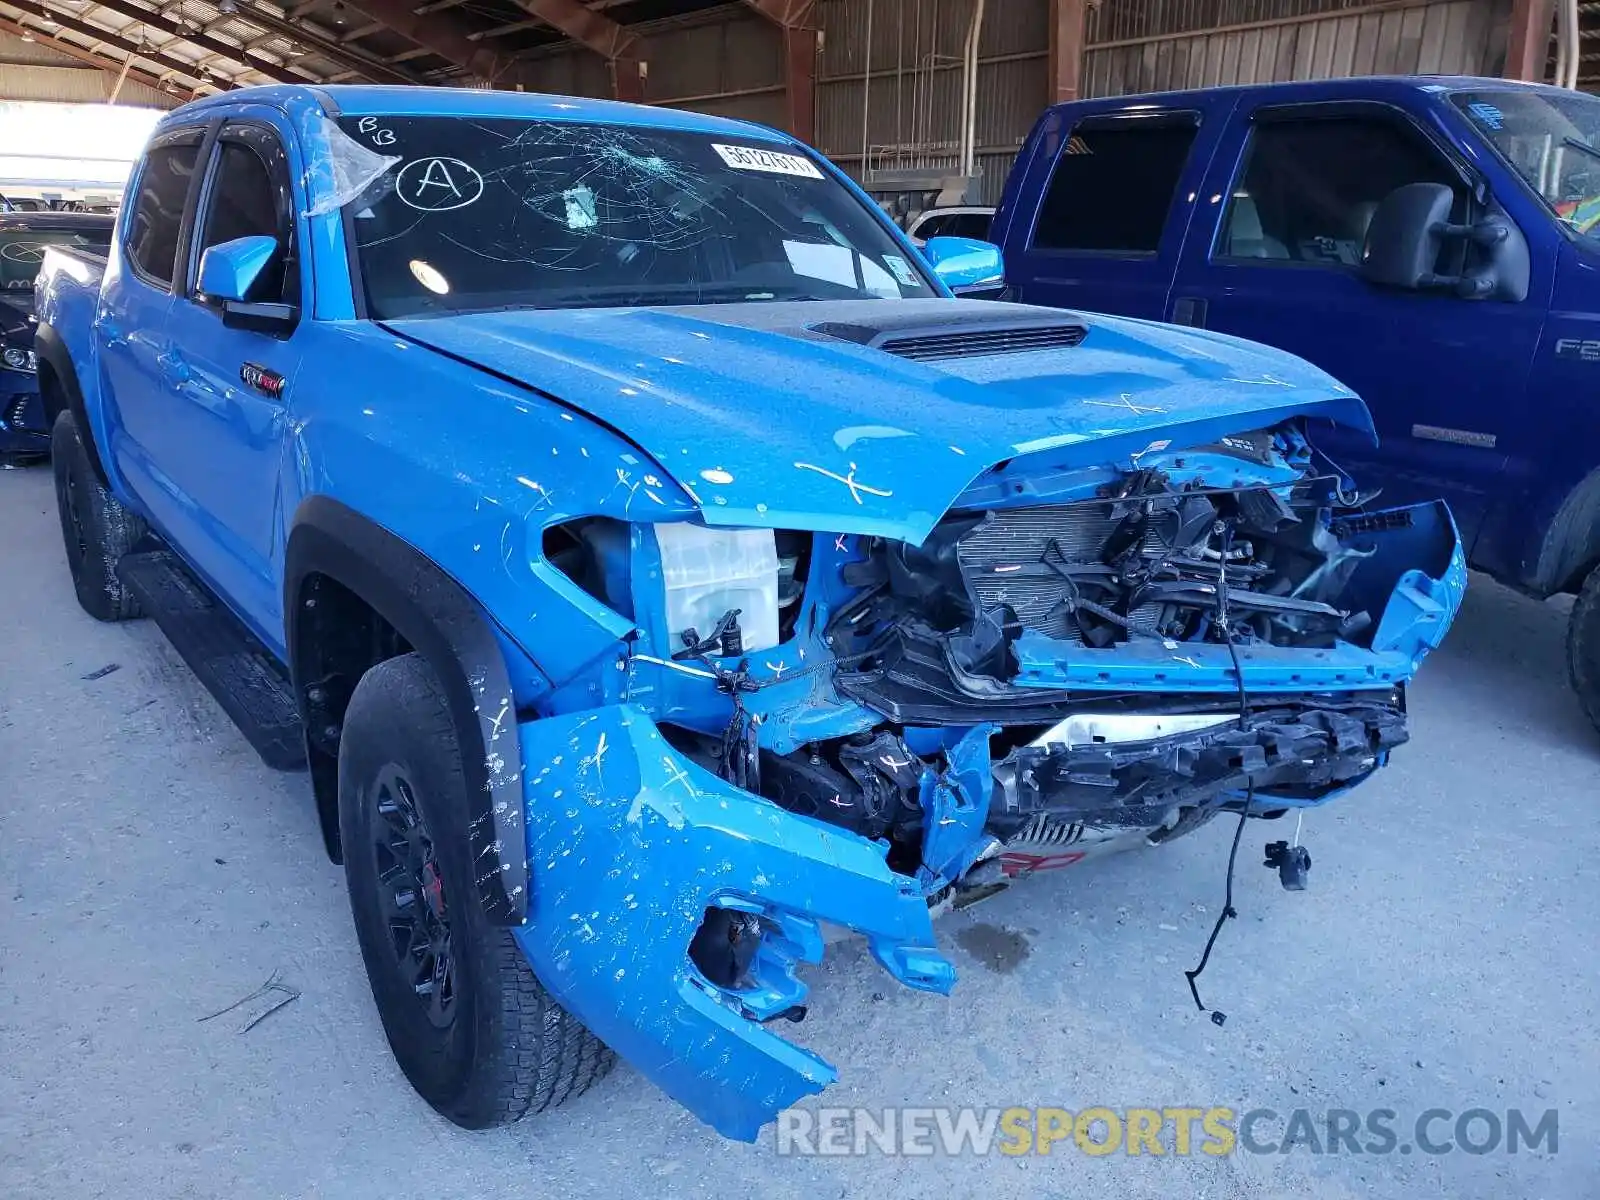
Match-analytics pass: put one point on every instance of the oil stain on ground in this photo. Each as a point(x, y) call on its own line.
point(1001, 950)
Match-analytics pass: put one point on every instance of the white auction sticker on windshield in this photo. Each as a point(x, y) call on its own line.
point(748, 158)
point(901, 269)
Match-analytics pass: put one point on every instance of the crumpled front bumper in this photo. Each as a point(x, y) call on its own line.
point(629, 844)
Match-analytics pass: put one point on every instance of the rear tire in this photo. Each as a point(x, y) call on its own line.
point(471, 1026)
point(96, 530)
point(1583, 647)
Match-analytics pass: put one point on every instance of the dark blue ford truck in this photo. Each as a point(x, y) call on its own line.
point(1434, 243)
point(652, 561)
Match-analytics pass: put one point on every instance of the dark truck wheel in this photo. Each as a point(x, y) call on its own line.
point(96, 530)
point(473, 1029)
point(1583, 646)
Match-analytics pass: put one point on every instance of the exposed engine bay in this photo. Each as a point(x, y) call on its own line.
point(929, 637)
point(994, 738)
point(902, 673)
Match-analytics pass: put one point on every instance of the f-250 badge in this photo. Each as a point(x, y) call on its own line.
point(258, 378)
point(1582, 349)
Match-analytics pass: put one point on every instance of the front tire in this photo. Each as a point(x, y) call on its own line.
point(96, 530)
point(471, 1026)
point(1583, 647)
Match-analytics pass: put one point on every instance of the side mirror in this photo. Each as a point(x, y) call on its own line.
point(965, 265)
point(1410, 228)
point(229, 270)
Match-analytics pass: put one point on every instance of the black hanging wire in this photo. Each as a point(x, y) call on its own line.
point(739, 754)
point(1226, 627)
point(1218, 1017)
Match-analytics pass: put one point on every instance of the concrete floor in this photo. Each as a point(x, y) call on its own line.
point(152, 871)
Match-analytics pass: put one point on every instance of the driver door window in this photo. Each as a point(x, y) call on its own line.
point(249, 196)
point(1309, 187)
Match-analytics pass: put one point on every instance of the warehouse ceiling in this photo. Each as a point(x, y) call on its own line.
point(188, 48)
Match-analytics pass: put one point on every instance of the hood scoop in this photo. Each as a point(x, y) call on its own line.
point(971, 335)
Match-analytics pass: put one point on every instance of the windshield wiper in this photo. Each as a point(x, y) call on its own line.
point(1579, 144)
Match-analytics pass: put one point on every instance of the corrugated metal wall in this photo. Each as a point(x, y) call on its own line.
point(728, 61)
point(913, 96)
point(893, 100)
point(31, 71)
point(1452, 37)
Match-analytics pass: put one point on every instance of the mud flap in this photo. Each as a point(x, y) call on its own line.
point(630, 844)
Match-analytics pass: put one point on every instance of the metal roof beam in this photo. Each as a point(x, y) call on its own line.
point(583, 24)
point(790, 14)
point(105, 37)
point(362, 63)
point(447, 36)
point(235, 54)
point(613, 42)
point(513, 27)
point(109, 65)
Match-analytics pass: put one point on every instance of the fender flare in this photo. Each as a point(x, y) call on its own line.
point(441, 621)
point(1570, 547)
point(52, 351)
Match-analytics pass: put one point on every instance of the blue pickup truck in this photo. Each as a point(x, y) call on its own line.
point(652, 561)
point(1432, 242)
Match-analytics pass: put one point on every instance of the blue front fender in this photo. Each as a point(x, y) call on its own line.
point(629, 845)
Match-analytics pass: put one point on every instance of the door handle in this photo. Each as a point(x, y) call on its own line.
point(174, 367)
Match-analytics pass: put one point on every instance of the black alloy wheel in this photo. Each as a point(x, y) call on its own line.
point(412, 897)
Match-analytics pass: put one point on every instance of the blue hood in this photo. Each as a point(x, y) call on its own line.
point(787, 415)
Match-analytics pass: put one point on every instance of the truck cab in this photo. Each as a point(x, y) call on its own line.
point(1434, 243)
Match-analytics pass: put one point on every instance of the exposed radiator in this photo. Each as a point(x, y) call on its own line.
point(1004, 560)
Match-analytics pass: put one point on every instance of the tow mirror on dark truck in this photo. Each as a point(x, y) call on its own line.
point(1411, 228)
point(229, 270)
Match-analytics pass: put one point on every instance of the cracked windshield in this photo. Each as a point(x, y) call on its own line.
point(1553, 141)
point(480, 215)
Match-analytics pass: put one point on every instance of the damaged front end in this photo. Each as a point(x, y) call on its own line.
point(798, 726)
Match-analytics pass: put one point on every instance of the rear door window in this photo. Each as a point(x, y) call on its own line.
point(1114, 185)
point(155, 219)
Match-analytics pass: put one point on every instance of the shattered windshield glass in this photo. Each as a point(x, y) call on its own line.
point(1551, 139)
point(475, 215)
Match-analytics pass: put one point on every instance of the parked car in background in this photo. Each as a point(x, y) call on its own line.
point(1432, 242)
point(23, 239)
point(967, 221)
point(653, 562)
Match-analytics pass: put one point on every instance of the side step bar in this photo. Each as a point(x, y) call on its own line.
point(236, 669)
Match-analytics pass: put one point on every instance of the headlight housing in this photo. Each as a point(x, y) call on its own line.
point(19, 359)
